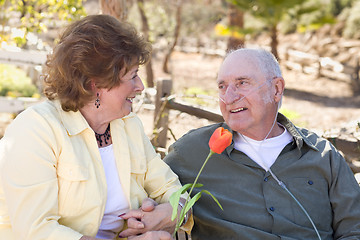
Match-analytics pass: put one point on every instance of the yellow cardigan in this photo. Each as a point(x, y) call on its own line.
point(52, 183)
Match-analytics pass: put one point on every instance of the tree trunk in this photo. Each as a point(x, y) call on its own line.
point(146, 29)
point(115, 8)
point(176, 36)
point(274, 41)
point(236, 19)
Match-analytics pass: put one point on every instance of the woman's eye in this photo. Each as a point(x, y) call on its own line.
point(134, 76)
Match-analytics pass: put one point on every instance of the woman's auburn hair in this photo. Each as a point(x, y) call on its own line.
point(98, 48)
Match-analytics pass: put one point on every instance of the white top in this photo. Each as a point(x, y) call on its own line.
point(263, 152)
point(116, 202)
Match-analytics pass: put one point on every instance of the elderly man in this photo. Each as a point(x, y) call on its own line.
point(275, 181)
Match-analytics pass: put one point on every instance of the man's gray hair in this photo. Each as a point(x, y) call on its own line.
point(264, 60)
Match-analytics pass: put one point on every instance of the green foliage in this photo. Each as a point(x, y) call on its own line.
point(161, 20)
point(292, 115)
point(36, 16)
point(352, 27)
point(337, 6)
point(273, 12)
point(15, 83)
point(233, 31)
point(199, 96)
point(197, 18)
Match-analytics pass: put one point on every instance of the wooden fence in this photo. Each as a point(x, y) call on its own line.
point(323, 67)
point(164, 102)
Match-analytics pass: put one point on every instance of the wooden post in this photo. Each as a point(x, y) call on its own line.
point(319, 68)
point(355, 77)
point(161, 116)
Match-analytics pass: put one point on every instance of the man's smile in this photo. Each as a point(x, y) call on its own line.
point(238, 110)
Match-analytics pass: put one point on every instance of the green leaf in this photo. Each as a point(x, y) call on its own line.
point(197, 196)
point(175, 198)
point(209, 193)
point(193, 201)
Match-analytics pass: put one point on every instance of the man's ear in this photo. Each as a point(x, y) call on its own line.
point(279, 85)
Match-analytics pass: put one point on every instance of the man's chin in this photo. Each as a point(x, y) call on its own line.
point(235, 125)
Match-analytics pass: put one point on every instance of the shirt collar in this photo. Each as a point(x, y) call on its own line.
point(74, 122)
point(298, 136)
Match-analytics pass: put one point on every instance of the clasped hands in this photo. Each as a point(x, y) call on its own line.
point(150, 221)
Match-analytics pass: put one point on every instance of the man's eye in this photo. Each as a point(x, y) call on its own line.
point(243, 82)
point(134, 76)
point(221, 87)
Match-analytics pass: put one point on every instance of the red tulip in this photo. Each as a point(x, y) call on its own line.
point(220, 139)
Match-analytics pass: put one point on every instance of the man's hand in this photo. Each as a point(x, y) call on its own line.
point(149, 217)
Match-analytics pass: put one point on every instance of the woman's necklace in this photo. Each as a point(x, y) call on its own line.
point(105, 136)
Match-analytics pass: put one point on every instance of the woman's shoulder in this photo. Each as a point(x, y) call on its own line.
point(34, 120)
point(44, 109)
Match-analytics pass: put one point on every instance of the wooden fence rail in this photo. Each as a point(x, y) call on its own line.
point(324, 67)
point(165, 102)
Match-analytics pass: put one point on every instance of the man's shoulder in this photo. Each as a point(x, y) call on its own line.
point(314, 140)
point(191, 146)
point(302, 135)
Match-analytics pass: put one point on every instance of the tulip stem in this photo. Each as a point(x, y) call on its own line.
point(197, 177)
point(182, 213)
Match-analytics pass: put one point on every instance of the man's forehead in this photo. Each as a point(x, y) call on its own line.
point(235, 77)
point(237, 69)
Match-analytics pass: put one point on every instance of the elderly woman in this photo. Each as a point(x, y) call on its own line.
point(73, 164)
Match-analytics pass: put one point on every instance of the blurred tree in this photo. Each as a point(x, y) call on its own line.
point(176, 35)
point(26, 16)
point(191, 23)
point(271, 12)
point(236, 20)
point(116, 8)
point(146, 32)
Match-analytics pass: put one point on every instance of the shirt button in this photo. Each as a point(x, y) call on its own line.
point(266, 179)
point(272, 209)
point(310, 182)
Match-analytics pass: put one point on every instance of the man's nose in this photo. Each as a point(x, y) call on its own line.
point(231, 95)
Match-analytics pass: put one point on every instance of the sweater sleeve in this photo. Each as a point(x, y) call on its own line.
point(344, 195)
point(160, 181)
point(29, 179)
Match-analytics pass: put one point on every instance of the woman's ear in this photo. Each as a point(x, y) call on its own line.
point(279, 85)
point(93, 85)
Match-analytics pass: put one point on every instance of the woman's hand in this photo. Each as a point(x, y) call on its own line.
point(149, 217)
